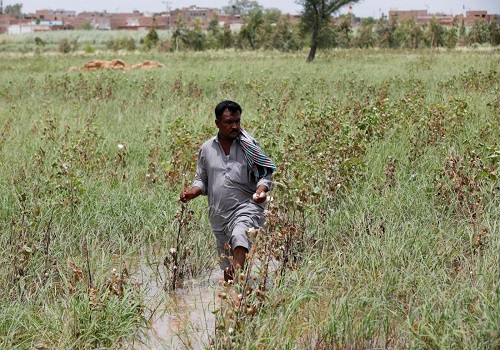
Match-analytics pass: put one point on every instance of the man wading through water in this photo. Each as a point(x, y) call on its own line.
point(234, 173)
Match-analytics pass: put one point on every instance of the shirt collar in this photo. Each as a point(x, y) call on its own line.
point(216, 138)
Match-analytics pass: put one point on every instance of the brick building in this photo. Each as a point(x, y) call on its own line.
point(114, 21)
point(472, 16)
point(191, 14)
point(169, 20)
point(6, 21)
point(423, 17)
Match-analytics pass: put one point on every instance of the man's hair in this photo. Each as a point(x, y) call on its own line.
point(222, 106)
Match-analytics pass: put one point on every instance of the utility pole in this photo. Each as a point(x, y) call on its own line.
point(167, 5)
point(1, 7)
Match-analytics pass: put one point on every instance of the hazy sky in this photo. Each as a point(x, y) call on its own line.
point(364, 8)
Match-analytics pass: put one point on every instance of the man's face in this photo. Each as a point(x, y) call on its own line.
point(229, 124)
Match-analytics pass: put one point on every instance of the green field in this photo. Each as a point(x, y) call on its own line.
point(384, 221)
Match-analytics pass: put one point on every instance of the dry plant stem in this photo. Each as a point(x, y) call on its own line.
point(89, 272)
point(85, 249)
point(265, 274)
point(47, 240)
point(243, 293)
point(175, 268)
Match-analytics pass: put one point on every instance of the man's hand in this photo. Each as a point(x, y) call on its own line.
point(260, 195)
point(188, 194)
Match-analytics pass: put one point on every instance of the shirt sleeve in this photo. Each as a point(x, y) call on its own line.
point(266, 181)
point(201, 177)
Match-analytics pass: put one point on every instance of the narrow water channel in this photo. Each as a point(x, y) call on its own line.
point(180, 319)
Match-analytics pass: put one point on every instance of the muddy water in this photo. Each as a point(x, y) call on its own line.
point(181, 319)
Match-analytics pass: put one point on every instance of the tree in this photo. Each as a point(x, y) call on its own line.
point(451, 35)
point(241, 7)
point(213, 26)
point(15, 9)
point(479, 33)
point(494, 33)
point(225, 37)
point(365, 37)
point(344, 31)
point(435, 33)
point(180, 33)
point(315, 15)
point(285, 37)
point(265, 35)
point(196, 38)
point(87, 26)
point(151, 39)
point(383, 32)
point(463, 33)
point(417, 36)
point(253, 23)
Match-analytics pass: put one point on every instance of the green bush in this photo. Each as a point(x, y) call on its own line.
point(64, 45)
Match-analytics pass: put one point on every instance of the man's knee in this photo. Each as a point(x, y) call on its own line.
point(239, 238)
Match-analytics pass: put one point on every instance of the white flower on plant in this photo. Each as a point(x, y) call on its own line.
point(121, 146)
point(173, 251)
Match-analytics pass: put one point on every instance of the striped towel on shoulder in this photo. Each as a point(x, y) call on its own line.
point(259, 164)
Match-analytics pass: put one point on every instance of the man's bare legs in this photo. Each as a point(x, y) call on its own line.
point(239, 257)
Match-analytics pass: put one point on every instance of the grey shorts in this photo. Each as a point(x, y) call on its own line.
point(236, 236)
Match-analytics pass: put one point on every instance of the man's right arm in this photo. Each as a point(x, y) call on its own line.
point(187, 195)
point(200, 183)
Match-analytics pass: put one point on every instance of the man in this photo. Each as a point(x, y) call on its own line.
point(235, 175)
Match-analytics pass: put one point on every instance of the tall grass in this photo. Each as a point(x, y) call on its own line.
point(384, 220)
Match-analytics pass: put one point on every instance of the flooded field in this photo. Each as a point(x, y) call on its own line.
point(384, 216)
point(183, 318)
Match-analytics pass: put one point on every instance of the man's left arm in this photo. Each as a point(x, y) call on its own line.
point(263, 186)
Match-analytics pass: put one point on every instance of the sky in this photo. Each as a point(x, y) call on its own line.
point(365, 8)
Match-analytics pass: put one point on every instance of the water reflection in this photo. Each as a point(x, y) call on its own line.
point(181, 319)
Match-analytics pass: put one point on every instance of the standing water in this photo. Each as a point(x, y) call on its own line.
point(179, 319)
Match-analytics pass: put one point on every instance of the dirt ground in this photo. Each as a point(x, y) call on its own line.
point(117, 64)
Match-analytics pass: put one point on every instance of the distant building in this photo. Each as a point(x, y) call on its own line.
point(6, 21)
point(63, 19)
point(54, 15)
point(233, 22)
point(423, 17)
point(190, 14)
point(472, 17)
point(420, 16)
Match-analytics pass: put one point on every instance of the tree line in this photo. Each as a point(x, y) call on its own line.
point(268, 29)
